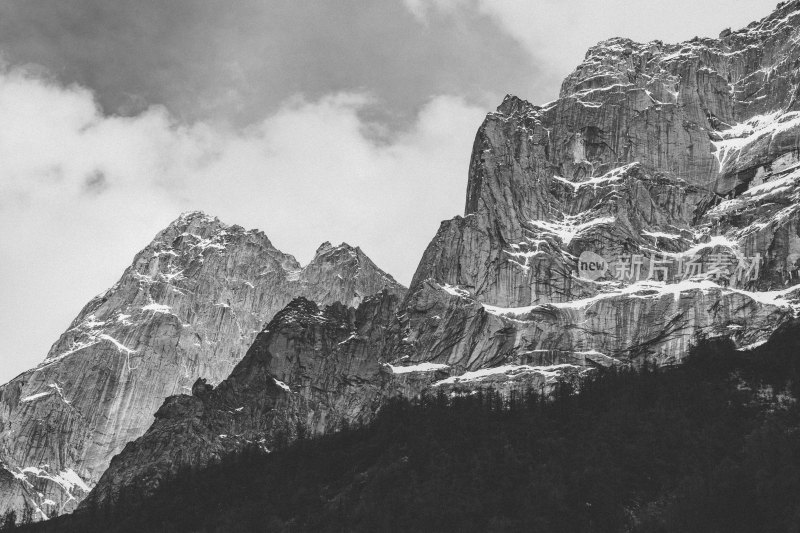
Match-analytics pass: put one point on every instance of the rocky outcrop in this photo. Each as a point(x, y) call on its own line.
point(189, 305)
point(309, 371)
point(309, 368)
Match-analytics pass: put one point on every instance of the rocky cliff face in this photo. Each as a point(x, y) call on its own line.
point(654, 201)
point(674, 166)
point(190, 305)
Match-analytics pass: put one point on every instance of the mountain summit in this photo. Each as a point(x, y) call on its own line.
point(189, 306)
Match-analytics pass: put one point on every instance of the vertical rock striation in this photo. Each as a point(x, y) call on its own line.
point(672, 153)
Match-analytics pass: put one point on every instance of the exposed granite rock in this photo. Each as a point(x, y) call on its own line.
point(672, 153)
point(189, 306)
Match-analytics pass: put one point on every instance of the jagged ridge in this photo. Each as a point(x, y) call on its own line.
point(189, 305)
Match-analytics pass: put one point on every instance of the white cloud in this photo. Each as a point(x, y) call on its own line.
point(80, 192)
point(557, 33)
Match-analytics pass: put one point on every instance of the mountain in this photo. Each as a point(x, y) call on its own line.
point(189, 305)
point(654, 203)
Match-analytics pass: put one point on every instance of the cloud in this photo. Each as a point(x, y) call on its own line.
point(238, 60)
point(81, 192)
point(557, 33)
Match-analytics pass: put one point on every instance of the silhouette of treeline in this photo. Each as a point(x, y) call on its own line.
point(711, 445)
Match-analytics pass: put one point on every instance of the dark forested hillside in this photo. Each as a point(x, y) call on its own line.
point(710, 445)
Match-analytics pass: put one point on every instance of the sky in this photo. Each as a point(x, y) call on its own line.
point(348, 121)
